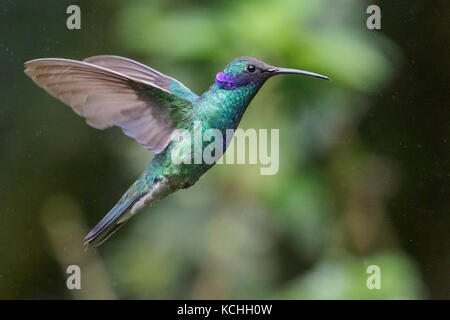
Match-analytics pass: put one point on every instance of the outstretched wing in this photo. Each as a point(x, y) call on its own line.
point(142, 72)
point(144, 110)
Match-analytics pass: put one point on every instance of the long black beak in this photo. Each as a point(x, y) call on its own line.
point(276, 71)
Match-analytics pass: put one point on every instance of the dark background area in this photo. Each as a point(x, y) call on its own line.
point(411, 122)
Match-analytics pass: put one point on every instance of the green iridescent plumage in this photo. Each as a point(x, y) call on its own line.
point(150, 107)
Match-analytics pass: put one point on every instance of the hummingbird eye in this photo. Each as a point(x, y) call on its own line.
point(250, 68)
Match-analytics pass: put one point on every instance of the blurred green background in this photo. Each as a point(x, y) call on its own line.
point(364, 160)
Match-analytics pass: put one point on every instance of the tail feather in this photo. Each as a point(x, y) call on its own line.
point(109, 224)
point(142, 193)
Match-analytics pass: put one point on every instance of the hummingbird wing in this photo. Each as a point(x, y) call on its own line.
point(145, 111)
point(142, 72)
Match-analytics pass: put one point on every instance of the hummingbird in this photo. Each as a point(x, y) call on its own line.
point(150, 107)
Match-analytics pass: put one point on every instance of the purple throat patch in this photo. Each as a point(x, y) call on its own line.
point(229, 82)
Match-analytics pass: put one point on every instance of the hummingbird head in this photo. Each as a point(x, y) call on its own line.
point(243, 71)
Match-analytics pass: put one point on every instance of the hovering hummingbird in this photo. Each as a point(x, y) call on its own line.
point(149, 107)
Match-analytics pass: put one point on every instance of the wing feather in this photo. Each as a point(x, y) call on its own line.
point(125, 96)
point(142, 72)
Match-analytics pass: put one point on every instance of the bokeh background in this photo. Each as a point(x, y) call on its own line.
point(364, 160)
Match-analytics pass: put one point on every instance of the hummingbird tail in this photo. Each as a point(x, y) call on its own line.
point(138, 196)
point(108, 225)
